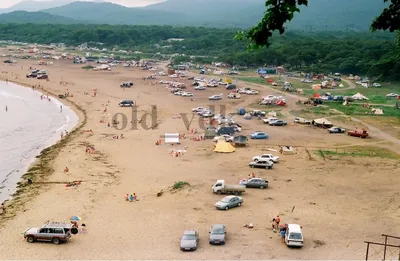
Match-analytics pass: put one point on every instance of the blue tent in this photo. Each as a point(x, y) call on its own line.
point(241, 111)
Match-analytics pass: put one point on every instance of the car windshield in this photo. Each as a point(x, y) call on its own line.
point(218, 231)
point(189, 237)
point(295, 236)
point(226, 200)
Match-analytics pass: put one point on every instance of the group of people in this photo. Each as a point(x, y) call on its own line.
point(281, 228)
point(131, 197)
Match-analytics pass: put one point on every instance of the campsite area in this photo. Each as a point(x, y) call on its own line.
point(342, 190)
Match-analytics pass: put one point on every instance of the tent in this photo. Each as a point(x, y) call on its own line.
point(322, 123)
point(316, 86)
point(224, 147)
point(286, 150)
point(241, 111)
point(377, 111)
point(359, 97)
point(247, 116)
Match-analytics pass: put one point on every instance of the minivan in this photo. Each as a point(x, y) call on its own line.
point(126, 103)
point(294, 236)
point(231, 87)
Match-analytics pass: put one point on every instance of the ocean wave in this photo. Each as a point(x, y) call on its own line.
point(9, 95)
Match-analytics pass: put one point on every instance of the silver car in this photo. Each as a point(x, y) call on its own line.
point(229, 202)
point(189, 240)
point(217, 234)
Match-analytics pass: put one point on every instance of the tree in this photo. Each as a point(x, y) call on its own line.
point(281, 11)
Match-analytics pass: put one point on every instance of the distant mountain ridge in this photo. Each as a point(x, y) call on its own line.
point(319, 15)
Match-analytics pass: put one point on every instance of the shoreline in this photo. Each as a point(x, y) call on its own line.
point(41, 167)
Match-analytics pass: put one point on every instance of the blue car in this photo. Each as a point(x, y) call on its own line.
point(259, 135)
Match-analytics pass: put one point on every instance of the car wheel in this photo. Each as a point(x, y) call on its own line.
point(226, 208)
point(261, 187)
point(30, 239)
point(252, 166)
point(239, 204)
point(236, 193)
point(55, 241)
point(270, 167)
point(219, 192)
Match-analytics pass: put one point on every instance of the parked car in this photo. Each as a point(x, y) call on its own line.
point(336, 130)
point(229, 202)
point(217, 234)
point(55, 232)
point(231, 87)
point(251, 92)
point(220, 187)
point(207, 114)
point(215, 97)
point(200, 87)
point(42, 76)
point(259, 135)
point(278, 123)
point(266, 164)
point(189, 240)
point(228, 138)
point(244, 90)
point(198, 109)
point(294, 236)
point(302, 120)
point(270, 119)
point(270, 157)
point(255, 183)
point(358, 133)
point(187, 94)
point(126, 84)
point(126, 103)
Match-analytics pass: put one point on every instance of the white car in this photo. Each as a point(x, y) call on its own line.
point(269, 157)
point(228, 138)
point(269, 120)
point(200, 87)
point(206, 114)
point(251, 92)
point(198, 109)
point(215, 97)
point(234, 96)
point(174, 76)
point(178, 93)
point(187, 94)
point(244, 90)
point(376, 85)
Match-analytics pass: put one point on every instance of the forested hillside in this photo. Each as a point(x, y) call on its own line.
point(320, 15)
point(358, 53)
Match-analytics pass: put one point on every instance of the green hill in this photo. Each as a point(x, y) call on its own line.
point(22, 17)
point(109, 13)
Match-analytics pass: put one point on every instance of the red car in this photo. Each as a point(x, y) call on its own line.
point(358, 133)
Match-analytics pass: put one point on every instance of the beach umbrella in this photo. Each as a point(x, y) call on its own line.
point(75, 218)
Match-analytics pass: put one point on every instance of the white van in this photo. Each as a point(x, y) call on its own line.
point(294, 236)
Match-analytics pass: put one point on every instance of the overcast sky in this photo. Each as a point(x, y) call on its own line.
point(8, 3)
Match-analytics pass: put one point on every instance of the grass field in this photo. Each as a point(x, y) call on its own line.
point(358, 151)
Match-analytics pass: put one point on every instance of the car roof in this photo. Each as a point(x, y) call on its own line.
point(218, 226)
point(189, 232)
point(294, 228)
point(230, 197)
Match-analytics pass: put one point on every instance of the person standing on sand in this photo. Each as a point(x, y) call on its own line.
point(3, 209)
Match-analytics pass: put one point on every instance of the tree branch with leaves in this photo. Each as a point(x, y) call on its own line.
point(279, 12)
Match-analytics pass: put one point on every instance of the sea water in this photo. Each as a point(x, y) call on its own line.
point(28, 124)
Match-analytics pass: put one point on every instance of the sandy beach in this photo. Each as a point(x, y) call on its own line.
point(338, 203)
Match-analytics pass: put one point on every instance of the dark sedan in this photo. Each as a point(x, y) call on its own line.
point(336, 130)
point(278, 123)
point(256, 183)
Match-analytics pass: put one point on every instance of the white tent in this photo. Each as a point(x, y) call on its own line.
point(171, 137)
point(322, 121)
point(359, 97)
